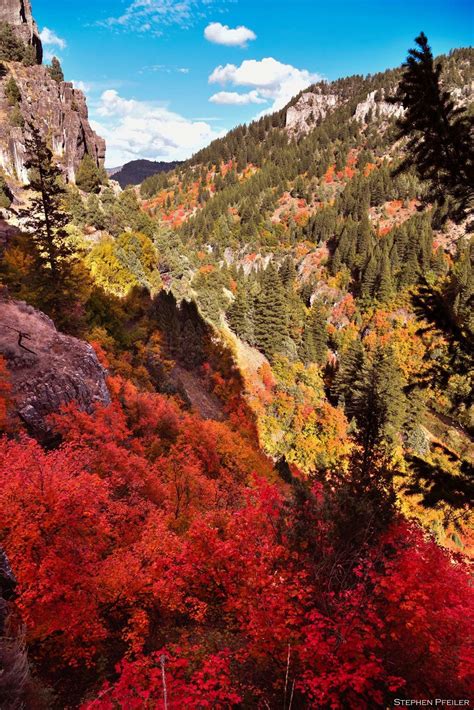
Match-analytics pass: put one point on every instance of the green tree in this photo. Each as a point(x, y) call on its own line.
point(315, 336)
point(29, 56)
point(12, 92)
point(384, 287)
point(11, 48)
point(240, 314)
point(271, 318)
point(88, 176)
point(374, 398)
point(6, 195)
point(57, 275)
point(440, 144)
point(55, 70)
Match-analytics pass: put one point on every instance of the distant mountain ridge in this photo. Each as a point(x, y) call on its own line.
point(134, 172)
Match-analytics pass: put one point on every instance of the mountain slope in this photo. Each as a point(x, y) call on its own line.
point(136, 171)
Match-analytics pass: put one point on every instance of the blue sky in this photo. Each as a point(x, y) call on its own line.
point(164, 77)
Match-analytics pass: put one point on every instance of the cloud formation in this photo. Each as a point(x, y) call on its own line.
point(236, 99)
point(269, 79)
point(153, 15)
point(51, 39)
point(222, 34)
point(138, 129)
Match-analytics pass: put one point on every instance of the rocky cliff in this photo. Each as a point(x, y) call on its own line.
point(375, 105)
point(47, 368)
point(18, 14)
point(58, 110)
point(308, 110)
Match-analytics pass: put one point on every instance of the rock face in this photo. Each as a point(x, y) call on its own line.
point(302, 117)
point(47, 368)
point(18, 14)
point(377, 108)
point(59, 111)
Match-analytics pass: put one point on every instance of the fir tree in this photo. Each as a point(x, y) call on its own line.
point(315, 336)
point(240, 315)
point(376, 402)
point(12, 92)
point(271, 318)
point(369, 278)
point(88, 176)
point(55, 70)
point(57, 276)
point(384, 287)
point(440, 144)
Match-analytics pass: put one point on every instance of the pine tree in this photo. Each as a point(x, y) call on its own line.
point(440, 144)
point(55, 70)
point(350, 366)
point(57, 276)
point(314, 346)
point(288, 271)
point(271, 318)
point(240, 315)
point(377, 404)
point(384, 288)
point(369, 277)
point(12, 92)
point(88, 176)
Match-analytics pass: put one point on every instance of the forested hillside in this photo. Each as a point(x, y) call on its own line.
point(270, 505)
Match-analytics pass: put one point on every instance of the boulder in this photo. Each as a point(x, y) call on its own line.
point(47, 368)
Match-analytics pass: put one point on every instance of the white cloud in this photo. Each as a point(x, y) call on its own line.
point(235, 99)
point(269, 79)
point(164, 68)
point(50, 38)
point(152, 15)
point(223, 34)
point(138, 129)
point(82, 86)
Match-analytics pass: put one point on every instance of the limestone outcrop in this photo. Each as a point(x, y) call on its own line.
point(310, 108)
point(47, 368)
point(376, 106)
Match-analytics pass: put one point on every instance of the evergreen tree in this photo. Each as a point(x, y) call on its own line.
point(350, 366)
point(315, 337)
point(57, 276)
point(376, 402)
point(240, 315)
point(55, 70)
point(369, 277)
point(440, 144)
point(29, 56)
point(12, 92)
point(384, 287)
point(288, 271)
point(11, 48)
point(88, 176)
point(271, 318)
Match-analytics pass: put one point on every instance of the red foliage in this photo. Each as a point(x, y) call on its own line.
point(5, 391)
point(150, 534)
